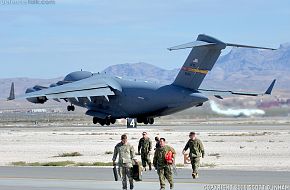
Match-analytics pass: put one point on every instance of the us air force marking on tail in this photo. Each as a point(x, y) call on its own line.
point(108, 98)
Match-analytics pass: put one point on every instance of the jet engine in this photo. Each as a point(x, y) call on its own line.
point(36, 100)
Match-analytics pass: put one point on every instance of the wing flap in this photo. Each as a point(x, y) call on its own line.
point(83, 93)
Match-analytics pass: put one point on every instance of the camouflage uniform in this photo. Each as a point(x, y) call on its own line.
point(145, 145)
point(196, 151)
point(126, 156)
point(163, 169)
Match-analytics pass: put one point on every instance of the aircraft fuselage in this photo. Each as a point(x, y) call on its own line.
point(141, 99)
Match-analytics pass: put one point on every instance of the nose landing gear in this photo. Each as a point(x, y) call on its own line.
point(71, 108)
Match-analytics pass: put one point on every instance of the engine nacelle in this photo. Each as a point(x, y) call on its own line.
point(36, 100)
point(53, 85)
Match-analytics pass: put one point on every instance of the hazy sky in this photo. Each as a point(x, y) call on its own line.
point(45, 41)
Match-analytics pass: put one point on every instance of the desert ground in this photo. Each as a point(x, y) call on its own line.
point(230, 143)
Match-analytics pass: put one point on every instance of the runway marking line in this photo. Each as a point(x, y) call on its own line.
point(62, 179)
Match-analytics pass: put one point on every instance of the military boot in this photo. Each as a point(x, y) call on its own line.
point(150, 167)
point(171, 186)
point(194, 175)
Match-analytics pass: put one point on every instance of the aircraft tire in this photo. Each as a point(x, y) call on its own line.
point(151, 121)
point(139, 120)
point(107, 121)
point(70, 108)
point(102, 122)
point(95, 120)
point(113, 121)
point(146, 121)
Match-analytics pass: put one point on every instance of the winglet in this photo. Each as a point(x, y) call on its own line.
point(12, 92)
point(269, 90)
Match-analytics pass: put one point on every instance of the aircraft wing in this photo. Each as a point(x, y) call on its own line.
point(223, 93)
point(89, 87)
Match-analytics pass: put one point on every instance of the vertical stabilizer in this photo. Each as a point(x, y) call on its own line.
point(204, 54)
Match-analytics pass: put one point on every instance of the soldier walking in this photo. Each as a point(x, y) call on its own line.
point(126, 155)
point(196, 151)
point(157, 145)
point(163, 160)
point(144, 148)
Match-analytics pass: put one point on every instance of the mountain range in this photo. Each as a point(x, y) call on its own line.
point(240, 69)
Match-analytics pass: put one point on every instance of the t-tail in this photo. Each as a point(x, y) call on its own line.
point(204, 54)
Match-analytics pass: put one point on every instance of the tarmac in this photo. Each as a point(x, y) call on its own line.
point(88, 178)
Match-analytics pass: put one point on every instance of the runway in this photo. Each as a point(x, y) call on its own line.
point(84, 178)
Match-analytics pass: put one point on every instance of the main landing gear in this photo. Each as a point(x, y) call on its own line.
point(71, 108)
point(146, 121)
point(107, 121)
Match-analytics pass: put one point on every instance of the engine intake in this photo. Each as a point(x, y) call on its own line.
point(37, 100)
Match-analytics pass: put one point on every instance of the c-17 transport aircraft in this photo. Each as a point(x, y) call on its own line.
point(108, 98)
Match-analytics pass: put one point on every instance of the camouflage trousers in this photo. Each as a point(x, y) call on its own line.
point(165, 173)
point(195, 163)
point(126, 172)
point(145, 157)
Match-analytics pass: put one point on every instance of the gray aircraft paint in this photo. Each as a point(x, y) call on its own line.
point(108, 98)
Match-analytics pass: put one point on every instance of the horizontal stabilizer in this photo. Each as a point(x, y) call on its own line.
point(246, 46)
point(202, 43)
point(190, 45)
point(222, 93)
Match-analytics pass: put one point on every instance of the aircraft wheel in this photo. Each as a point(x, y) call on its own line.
point(146, 121)
point(102, 122)
point(95, 120)
point(108, 121)
point(70, 108)
point(113, 121)
point(151, 121)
